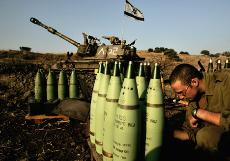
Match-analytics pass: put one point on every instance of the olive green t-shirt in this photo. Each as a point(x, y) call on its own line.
point(217, 95)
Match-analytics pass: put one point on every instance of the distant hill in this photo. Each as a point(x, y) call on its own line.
point(190, 59)
point(166, 63)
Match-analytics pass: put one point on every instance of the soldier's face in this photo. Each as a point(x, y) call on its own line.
point(184, 91)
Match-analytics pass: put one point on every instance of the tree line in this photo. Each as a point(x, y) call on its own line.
point(171, 53)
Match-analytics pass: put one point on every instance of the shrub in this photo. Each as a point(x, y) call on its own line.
point(215, 55)
point(184, 52)
point(172, 54)
point(150, 50)
point(205, 52)
point(160, 49)
point(226, 53)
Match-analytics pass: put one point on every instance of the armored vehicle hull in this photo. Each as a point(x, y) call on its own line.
point(92, 52)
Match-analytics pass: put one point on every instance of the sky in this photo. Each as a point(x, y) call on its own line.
point(182, 25)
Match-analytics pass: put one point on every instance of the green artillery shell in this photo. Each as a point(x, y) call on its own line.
point(111, 104)
point(227, 64)
point(99, 117)
point(62, 85)
point(127, 127)
point(141, 88)
point(73, 85)
point(39, 90)
point(147, 68)
point(122, 69)
point(44, 80)
point(141, 83)
point(94, 102)
point(210, 66)
point(51, 87)
point(154, 117)
point(218, 66)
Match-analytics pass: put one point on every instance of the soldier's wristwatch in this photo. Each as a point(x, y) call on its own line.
point(194, 112)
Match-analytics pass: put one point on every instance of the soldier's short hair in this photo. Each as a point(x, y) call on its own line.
point(185, 73)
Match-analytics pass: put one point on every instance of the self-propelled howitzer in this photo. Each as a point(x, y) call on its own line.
point(92, 51)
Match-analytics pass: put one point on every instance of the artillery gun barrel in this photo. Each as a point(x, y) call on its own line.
point(53, 31)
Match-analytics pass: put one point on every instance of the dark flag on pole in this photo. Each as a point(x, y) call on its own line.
point(133, 12)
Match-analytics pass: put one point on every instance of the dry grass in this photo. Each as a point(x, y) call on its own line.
point(190, 59)
point(160, 58)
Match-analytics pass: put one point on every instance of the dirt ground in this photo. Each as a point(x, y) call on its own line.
point(55, 139)
point(21, 139)
point(51, 140)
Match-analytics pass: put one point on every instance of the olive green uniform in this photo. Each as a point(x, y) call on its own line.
point(208, 136)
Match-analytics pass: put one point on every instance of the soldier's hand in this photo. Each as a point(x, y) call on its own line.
point(192, 121)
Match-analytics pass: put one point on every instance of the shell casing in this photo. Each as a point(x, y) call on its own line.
point(51, 88)
point(73, 85)
point(226, 64)
point(39, 88)
point(210, 66)
point(94, 102)
point(110, 108)
point(62, 85)
point(142, 88)
point(99, 114)
point(127, 126)
point(93, 107)
point(154, 120)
